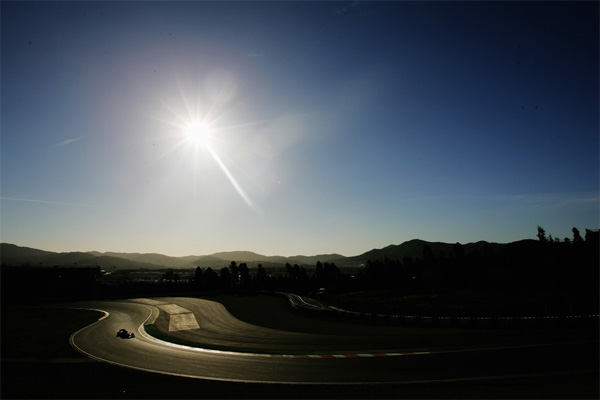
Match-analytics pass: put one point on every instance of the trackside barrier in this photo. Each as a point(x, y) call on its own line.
point(299, 303)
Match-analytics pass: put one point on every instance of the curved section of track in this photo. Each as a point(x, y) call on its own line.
point(99, 342)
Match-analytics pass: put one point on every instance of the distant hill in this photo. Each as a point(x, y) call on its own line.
point(151, 258)
point(312, 260)
point(251, 257)
point(414, 249)
point(239, 256)
point(11, 254)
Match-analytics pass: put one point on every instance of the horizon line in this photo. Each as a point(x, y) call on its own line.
point(270, 256)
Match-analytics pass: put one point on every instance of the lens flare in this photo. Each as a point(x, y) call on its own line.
point(198, 133)
point(199, 127)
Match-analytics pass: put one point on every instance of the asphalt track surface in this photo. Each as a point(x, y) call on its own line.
point(218, 328)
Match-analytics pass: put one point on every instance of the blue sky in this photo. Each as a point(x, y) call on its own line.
point(331, 126)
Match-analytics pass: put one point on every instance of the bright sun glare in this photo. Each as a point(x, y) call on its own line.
point(198, 133)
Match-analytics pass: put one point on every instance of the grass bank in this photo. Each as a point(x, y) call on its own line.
point(351, 335)
point(42, 332)
point(463, 303)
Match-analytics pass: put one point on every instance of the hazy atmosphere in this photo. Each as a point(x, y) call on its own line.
point(290, 128)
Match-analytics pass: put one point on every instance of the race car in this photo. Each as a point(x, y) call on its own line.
point(123, 334)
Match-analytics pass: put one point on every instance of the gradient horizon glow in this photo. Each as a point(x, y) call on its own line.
point(287, 128)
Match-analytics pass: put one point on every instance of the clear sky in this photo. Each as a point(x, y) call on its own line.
point(325, 127)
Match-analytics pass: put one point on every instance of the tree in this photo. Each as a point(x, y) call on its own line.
point(297, 272)
point(300, 273)
point(235, 274)
point(261, 275)
point(576, 235)
point(326, 274)
point(331, 273)
point(244, 274)
point(319, 271)
point(225, 278)
point(592, 236)
point(210, 278)
point(198, 276)
point(541, 235)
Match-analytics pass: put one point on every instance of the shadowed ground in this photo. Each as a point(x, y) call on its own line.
point(64, 373)
point(268, 324)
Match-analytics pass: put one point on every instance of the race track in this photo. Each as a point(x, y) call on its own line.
point(218, 328)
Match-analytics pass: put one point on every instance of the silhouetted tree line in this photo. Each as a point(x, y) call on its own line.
point(548, 264)
point(240, 278)
point(570, 265)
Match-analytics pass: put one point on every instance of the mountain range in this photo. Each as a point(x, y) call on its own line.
point(13, 255)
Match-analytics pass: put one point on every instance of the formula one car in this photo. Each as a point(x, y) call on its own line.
point(123, 334)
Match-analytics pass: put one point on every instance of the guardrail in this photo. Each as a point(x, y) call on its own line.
point(299, 303)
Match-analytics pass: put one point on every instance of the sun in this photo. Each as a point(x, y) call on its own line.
point(198, 133)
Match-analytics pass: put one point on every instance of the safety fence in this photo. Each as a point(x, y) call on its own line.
point(299, 303)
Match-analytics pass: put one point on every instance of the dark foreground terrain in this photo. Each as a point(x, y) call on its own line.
point(79, 380)
point(37, 362)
